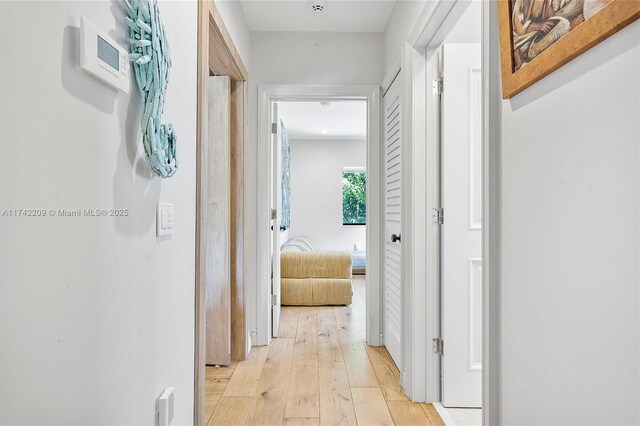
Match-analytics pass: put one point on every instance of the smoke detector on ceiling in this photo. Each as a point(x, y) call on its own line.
point(317, 6)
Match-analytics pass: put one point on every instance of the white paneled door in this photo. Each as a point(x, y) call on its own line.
point(276, 204)
point(392, 209)
point(461, 232)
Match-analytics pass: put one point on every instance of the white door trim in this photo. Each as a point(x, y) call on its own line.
point(273, 93)
point(491, 218)
point(432, 26)
point(391, 75)
point(438, 18)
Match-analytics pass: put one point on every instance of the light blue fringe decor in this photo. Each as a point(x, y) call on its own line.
point(151, 57)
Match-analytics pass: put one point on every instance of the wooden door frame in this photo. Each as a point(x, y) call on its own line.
point(217, 55)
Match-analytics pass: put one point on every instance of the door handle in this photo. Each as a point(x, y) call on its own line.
point(396, 238)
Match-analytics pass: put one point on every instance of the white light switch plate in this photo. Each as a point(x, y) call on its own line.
point(164, 219)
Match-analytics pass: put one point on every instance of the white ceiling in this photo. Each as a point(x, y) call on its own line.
point(314, 121)
point(337, 16)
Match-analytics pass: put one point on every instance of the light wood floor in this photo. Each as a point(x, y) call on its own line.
point(318, 371)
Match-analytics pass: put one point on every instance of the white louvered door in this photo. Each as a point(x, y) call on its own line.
point(392, 209)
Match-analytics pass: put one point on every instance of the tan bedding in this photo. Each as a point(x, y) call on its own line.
point(315, 278)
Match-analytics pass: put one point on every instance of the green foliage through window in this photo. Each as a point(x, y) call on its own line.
point(354, 198)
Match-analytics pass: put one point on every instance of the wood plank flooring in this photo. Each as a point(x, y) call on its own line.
point(319, 371)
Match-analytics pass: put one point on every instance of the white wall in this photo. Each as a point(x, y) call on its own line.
point(301, 58)
point(316, 58)
point(571, 242)
point(401, 21)
point(233, 17)
point(316, 192)
point(468, 29)
point(96, 313)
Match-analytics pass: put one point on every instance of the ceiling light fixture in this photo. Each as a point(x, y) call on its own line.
point(317, 6)
point(324, 131)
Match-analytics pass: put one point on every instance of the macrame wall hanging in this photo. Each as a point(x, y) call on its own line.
point(151, 57)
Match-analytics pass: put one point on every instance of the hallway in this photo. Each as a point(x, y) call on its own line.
point(318, 371)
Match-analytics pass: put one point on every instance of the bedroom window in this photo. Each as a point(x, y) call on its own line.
point(354, 197)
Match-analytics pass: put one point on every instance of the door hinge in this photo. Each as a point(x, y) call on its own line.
point(274, 128)
point(437, 215)
point(274, 214)
point(274, 300)
point(438, 86)
point(438, 346)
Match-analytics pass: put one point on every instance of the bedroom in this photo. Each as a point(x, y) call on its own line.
point(322, 183)
point(325, 202)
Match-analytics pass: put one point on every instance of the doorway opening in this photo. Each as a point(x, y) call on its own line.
point(220, 316)
point(323, 224)
point(318, 178)
point(315, 214)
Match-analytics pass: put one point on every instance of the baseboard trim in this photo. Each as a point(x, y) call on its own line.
point(250, 339)
point(444, 414)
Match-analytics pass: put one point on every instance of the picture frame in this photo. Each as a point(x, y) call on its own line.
point(285, 181)
point(539, 36)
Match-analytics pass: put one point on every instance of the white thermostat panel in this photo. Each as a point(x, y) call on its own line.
point(102, 57)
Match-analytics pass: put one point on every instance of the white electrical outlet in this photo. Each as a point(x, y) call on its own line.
point(165, 407)
point(164, 219)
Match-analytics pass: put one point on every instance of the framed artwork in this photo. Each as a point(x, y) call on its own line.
point(285, 147)
point(539, 36)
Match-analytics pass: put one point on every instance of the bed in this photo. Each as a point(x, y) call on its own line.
point(359, 262)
